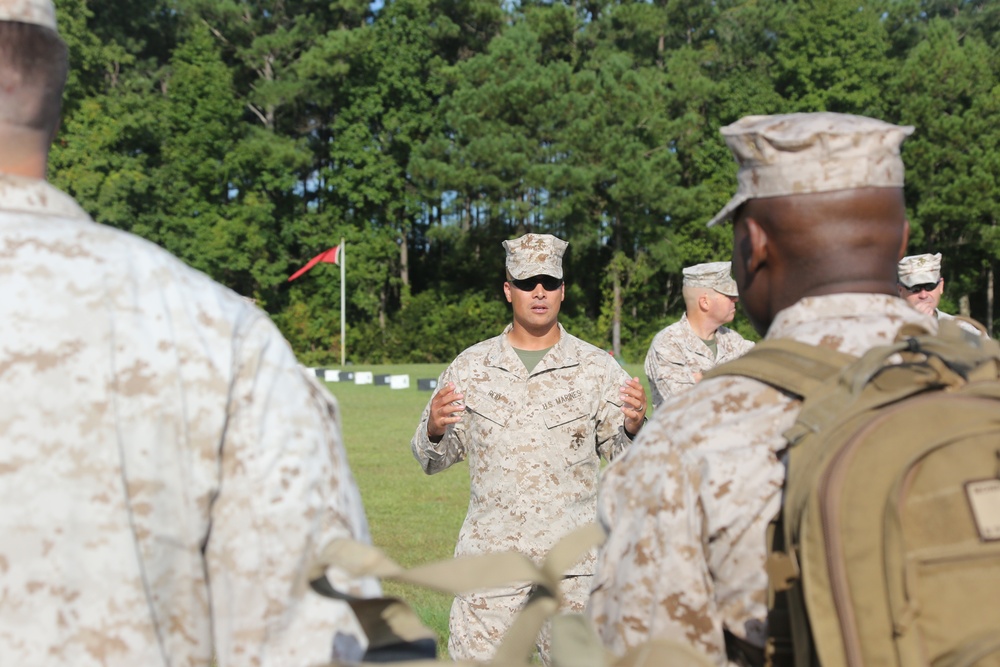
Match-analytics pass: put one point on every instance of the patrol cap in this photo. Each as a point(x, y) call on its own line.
point(803, 153)
point(713, 275)
point(38, 12)
point(919, 269)
point(535, 255)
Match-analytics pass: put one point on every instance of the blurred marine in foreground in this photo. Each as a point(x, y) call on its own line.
point(167, 471)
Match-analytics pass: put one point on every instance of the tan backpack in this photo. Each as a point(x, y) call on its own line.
point(887, 547)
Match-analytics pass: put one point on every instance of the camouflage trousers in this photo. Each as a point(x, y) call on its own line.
point(479, 621)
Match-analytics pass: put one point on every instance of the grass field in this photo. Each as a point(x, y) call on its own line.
point(414, 517)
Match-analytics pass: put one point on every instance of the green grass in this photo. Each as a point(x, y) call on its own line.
point(414, 517)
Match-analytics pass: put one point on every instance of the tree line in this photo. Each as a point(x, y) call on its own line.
point(248, 136)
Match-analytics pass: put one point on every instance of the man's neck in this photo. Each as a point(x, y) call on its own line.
point(525, 339)
point(25, 151)
point(702, 326)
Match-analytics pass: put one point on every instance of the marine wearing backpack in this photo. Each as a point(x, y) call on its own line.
point(819, 224)
point(887, 547)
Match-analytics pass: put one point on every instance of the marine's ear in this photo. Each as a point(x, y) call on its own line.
point(703, 302)
point(906, 239)
point(758, 244)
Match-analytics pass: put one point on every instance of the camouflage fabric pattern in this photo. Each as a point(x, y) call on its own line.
point(39, 12)
point(687, 507)
point(677, 353)
point(961, 323)
point(535, 255)
point(713, 275)
point(478, 621)
point(803, 153)
point(919, 269)
point(168, 470)
point(533, 443)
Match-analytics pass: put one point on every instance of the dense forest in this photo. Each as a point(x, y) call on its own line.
point(247, 136)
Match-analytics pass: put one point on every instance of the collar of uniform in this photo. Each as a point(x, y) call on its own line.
point(695, 342)
point(36, 196)
point(502, 354)
point(815, 309)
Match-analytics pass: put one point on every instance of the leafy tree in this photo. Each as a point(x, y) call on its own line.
point(832, 55)
point(495, 149)
point(199, 120)
point(947, 88)
point(248, 135)
point(109, 140)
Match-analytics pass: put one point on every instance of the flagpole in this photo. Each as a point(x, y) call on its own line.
point(343, 306)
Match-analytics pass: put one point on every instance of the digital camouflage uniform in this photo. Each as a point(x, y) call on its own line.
point(677, 353)
point(533, 442)
point(919, 269)
point(960, 322)
point(688, 506)
point(38, 12)
point(167, 470)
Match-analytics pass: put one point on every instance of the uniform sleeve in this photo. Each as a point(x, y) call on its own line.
point(611, 437)
point(967, 326)
point(667, 371)
point(686, 511)
point(652, 374)
point(652, 578)
point(285, 491)
point(437, 456)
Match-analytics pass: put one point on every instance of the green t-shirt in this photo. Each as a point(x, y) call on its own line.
point(530, 358)
point(713, 345)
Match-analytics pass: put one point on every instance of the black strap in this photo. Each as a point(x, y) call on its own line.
point(742, 652)
point(421, 649)
point(779, 651)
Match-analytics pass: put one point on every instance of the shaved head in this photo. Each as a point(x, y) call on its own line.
point(692, 294)
point(787, 248)
point(33, 67)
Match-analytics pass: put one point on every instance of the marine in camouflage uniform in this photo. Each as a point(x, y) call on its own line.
point(533, 438)
point(687, 507)
point(679, 355)
point(167, 470)
point(921, 285)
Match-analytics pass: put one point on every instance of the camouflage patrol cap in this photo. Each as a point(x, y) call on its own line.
point(713, 275)
point(919, 269)
point(535, 255)
point(38, 12)
point(803, 153)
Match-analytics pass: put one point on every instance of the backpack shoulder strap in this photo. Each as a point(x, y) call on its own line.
point(798, 368)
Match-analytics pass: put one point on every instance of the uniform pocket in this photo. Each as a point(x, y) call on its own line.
point(486, 407)
point(570, 425)
point(555, 417)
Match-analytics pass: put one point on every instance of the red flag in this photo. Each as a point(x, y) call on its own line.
point(331, 256)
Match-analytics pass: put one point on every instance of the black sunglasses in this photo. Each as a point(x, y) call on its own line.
point(923, 287)
point(548, 283)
